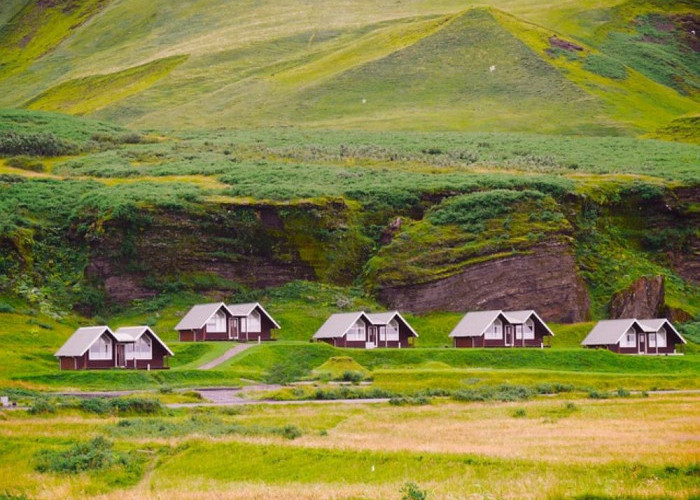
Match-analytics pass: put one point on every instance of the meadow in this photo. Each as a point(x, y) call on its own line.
point(555, 448)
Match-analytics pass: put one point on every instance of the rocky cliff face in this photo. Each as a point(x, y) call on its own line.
point(645, 298)
point(250, 245)
point(544, 279)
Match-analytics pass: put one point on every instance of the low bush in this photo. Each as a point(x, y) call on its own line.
point(136, 406)
point(351, 376)
point(288, 432)
point(26, 163)
point(598, 395)
point(407, 400)
point(520, 413)
point(14, 143)
point(92, 455)
point(411, 491)
point(41, 407)
point(6, 308)
point(350, 393)
point(501, 393)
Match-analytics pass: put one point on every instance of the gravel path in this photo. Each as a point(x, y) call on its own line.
point(225, 356)
point(241, 402)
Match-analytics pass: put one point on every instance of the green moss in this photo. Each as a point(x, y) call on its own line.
point(466, 230)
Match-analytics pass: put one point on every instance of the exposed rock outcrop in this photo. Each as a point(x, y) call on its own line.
point(645, 298)
point(545, 279)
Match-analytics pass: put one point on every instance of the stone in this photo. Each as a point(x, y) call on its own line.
point(645, 298)
point(545, 279)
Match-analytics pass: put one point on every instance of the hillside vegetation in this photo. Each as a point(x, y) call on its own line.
point(574, 68)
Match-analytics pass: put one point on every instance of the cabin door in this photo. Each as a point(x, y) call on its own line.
point(371, 337)
point(232, 328)
point(508, 335)
point(642, 338)
point(121, 358)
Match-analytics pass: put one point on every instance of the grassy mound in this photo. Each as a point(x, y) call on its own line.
point(338, 366)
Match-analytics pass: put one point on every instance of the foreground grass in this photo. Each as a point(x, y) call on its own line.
point(546, 448)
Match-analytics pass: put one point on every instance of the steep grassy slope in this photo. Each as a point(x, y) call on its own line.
point(414, 66)
point(38, 28)
point(91, 93)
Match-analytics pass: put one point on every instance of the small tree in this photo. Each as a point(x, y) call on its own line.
point(411, 491)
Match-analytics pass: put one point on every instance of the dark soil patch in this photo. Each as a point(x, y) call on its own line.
point(555, 41)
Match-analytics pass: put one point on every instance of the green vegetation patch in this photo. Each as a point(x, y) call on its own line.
point(464, 230)
point(341, 367)
point(603, 65)
point(661, 46)
point(39, 28)
point(87, 94)
point(23, 121)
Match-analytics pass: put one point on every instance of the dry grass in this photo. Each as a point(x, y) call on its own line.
point(659, 430)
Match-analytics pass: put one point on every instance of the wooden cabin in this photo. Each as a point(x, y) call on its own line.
point(97, 347)
point(251, 322)
point(366, 330)
point(89, 348)
point(139, 347)
point(218, 321)
point(634, 336)
point(501, 329)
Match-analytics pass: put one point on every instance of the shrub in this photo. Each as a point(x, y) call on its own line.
point(520, 413)
point(471, 210)
point(352, 376)
point(96, 454)
point(42, 407)
point(26, 163)
point(622, 393)
point(14, 143)
point(100, 406)
point(137, 405)
point(411, 491)
point(501, 393)
point(289, 432)
point(415, 401)
point(104, 406)
point(598, 395)
point(6, 308)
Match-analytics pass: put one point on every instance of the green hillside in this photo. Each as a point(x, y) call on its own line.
point(419, 66)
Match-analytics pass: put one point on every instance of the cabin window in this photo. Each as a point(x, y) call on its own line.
point(658, 339)
point(518, 332)
point(217, 323)
point(529, 330)
point(254, 322)
point(141, 349)
point(629, 339)
point(495, 330)
point(357, 331)
point(392, 331)
point(101, 349)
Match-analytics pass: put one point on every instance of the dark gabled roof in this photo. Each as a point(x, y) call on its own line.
point(199, 315)
point(82, 339)
point(128, 334)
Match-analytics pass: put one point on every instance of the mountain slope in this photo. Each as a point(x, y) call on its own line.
point(415, 66)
